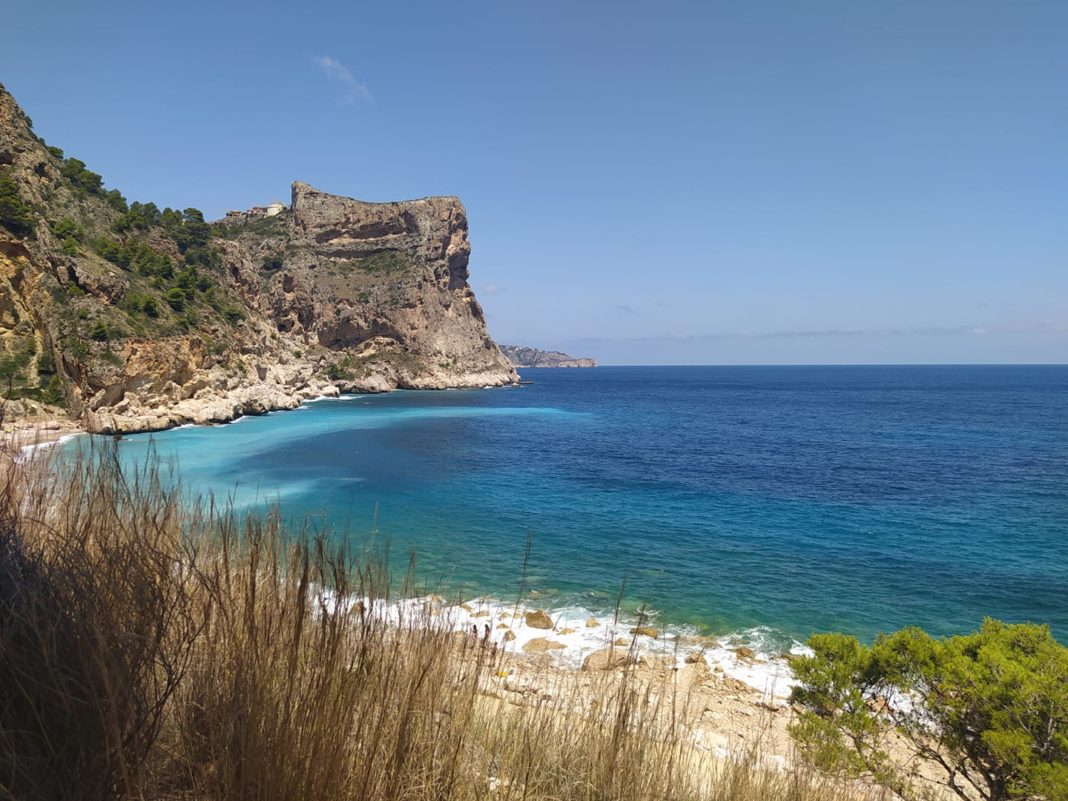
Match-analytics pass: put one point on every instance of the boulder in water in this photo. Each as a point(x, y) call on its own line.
point(645, 631)
point(539, 620)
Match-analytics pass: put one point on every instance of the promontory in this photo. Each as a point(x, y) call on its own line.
point(532, 357)
point(123, 316)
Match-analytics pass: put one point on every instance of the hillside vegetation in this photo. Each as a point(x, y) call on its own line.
point(127, 316)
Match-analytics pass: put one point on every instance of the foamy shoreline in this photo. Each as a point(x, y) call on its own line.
point(568, 635)
point(741, 656)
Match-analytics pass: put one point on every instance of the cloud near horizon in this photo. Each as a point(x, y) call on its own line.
point(1045, 327)
point(337, 72)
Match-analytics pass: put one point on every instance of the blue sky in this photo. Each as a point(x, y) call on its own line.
point(716, 182)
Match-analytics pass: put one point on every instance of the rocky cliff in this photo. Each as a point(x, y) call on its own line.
point(532, 357)
point(132, 318)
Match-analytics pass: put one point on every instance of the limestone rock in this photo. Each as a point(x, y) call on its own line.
point(645, 631)
point(532, 357)
point(330, 295)
point(608, 659)
point(541, 645)
point(538, 620)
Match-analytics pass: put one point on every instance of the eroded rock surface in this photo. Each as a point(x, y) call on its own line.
point(141, 323)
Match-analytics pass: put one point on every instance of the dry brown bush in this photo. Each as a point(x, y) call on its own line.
point(156, 649)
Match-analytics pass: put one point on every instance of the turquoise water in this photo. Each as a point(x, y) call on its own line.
point(781, 499)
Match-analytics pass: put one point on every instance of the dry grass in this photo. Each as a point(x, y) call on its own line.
point(151, 649)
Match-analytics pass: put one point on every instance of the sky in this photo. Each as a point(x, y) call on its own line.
point(646, 183)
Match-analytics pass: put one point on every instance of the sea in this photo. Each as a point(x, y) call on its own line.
point(753, 505)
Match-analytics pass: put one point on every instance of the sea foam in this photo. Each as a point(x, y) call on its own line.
point(765, 671)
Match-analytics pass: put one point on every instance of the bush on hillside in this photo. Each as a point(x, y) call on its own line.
point(15, 214)
point(990, 709)
point(81, 178)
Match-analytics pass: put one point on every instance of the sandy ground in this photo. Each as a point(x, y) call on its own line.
point(720, 714)
point(19, 436)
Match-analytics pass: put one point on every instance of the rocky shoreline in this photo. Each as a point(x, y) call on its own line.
point(122, 317)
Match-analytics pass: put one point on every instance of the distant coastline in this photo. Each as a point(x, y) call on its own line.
point(521, 356)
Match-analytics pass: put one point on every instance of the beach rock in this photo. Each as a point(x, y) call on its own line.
point(563, 632)
point(592, 623)
point(539, 620)
point(744, 652)
point(621, 641)
point(692, 675)
point(736, 685)
point(540, 645)
point(503, 626)
point(694, 657)
point(509, 636)
point(608, 659)
point(645, 631)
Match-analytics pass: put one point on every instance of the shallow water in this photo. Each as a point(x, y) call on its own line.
point(774, 501)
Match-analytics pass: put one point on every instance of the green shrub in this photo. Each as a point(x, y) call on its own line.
point(136, 254)
point(136, 303)
point(233, 314)
point(176, 298)
point(103, 332)
point(989, 708)
point(335, 372)
point(46, 364)
point(115, 199)
point(141, 216)
point(15, 214)
point(68, 228)
point(52, 391)
point(74, 170)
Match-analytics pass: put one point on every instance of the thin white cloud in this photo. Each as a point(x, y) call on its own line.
point(335, 71)
point(1054, 328)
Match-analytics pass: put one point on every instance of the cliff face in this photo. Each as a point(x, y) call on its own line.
point(532, 357)
point(131, 318)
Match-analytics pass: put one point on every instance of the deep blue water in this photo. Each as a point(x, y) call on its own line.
point(858, 499)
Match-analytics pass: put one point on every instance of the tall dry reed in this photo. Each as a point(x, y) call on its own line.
point(152, 648)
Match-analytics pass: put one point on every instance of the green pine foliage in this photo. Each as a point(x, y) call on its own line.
point(80, 177)
point(989, 708)
point(15, 214)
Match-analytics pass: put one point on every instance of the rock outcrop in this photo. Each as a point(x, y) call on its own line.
point(130, 318)
point(532, 357)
